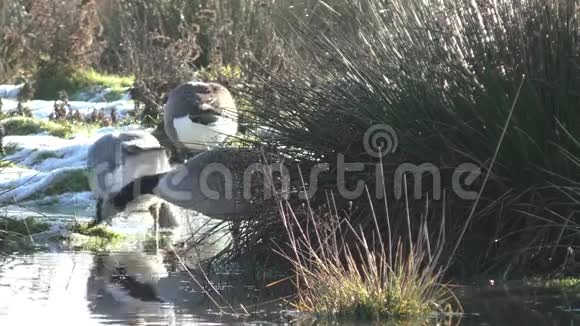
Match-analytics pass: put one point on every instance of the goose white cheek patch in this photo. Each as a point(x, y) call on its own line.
point(203, 137)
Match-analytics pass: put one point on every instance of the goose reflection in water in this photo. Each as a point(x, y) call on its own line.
point(126, 287)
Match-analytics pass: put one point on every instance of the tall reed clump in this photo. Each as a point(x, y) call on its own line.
point(342, 273)
point(445, 76)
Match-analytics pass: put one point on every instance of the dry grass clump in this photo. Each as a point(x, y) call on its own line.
point(342, 273)
point(60, 33)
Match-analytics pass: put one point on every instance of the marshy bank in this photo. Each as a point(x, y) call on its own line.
point(438, 140)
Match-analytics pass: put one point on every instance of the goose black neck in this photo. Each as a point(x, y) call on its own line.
point(142, 186)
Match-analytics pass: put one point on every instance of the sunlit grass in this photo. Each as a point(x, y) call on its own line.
point(563, 283)
point(7, 164)
point(92, 77)
point(100, 231)
point(22, 126)
point(45, 156)
point(52, 80)
point(95, 238)
point(74, 181)
point(340, 273)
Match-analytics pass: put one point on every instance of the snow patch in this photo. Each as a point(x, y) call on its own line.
point(10, 91)
point(42, 109)
point(27, 186)
point(99, 94)
point(71, 199)
point(46, 159)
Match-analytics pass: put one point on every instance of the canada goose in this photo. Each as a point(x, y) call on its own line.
point(131, 277)
point(203, 184)
point(199, 116)
point(119, 158)
point(129, 287)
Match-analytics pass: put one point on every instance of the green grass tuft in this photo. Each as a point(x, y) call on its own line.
point(75, 181)
point(564, 283)
point(86, 237)
point(92, 77)
point(10, 149)
point(99, 231)
point(27, 226)
point(52, 80)
point(22, 126)
point(7, 164)
point(44, 156)
point(339, 274)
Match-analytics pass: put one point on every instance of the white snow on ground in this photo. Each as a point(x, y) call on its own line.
point(46, 153)
point(69, 199)
point(27, 186)
point(43, 160)
point(10, 91)
point(101, 95)
point(42, 109)
point(48, 159)
point(67, 208)
point(96, 94)
point(12, 173)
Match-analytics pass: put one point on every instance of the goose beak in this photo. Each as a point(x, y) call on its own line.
point(205, 118)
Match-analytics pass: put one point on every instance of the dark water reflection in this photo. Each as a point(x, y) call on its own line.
point(520, 305)
point(84, 289)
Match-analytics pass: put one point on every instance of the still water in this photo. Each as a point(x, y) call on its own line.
point(132, 288)
point(85, 289)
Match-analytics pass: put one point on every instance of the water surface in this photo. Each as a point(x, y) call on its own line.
point(75, 289)
point(81, 288)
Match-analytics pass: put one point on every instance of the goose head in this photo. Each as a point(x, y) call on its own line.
point(199, 115)
point(214, 101)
